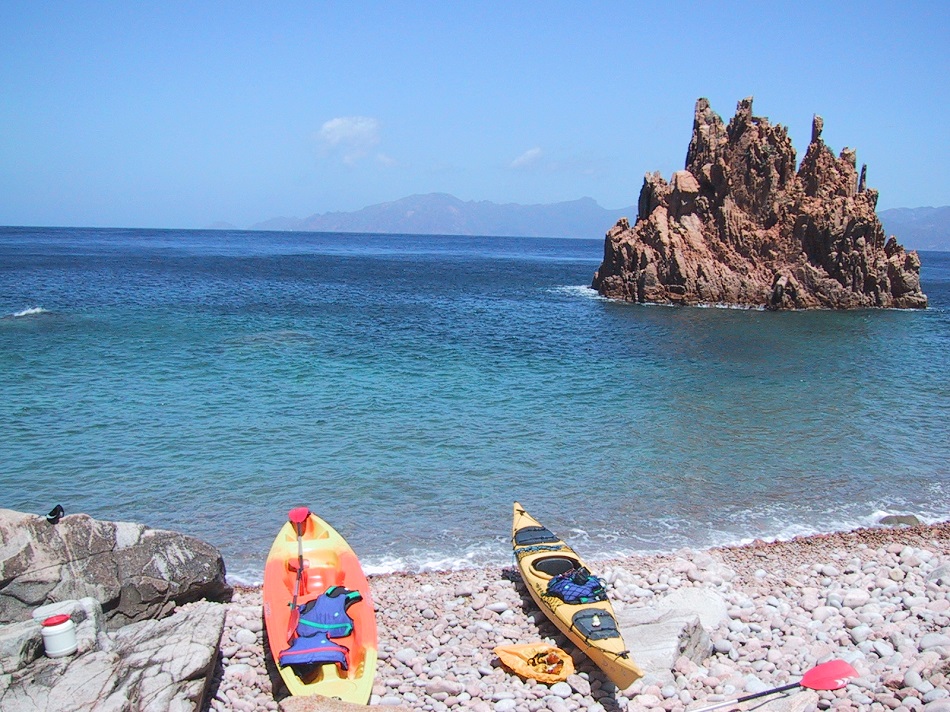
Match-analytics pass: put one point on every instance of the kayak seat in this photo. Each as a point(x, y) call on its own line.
point(554, 565)
point(319, 579)
point(534, 535)
point(316, 576)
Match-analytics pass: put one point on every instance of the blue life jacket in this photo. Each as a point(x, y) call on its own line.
point(577, 586)
point(321, 619)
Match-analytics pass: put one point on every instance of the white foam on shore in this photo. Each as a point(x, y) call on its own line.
point(493, 553)
point(593, 547)
point(246, 577)
point(496, 553)
point(792, 531)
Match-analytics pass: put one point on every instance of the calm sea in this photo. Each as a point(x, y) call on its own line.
point(409, 388)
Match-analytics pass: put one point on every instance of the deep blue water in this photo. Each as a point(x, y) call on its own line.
point(409, 388)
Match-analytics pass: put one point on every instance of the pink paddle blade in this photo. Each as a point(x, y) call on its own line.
point(832, 675)
point(298, 515)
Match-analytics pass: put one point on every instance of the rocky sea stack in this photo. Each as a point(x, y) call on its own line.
point(740, 226)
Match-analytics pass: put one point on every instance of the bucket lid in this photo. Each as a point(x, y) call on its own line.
point(56, 620)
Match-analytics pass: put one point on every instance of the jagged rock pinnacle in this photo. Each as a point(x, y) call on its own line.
point(740, 225)
point(817, 124)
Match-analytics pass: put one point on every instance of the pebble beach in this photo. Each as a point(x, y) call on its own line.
point(878, 598)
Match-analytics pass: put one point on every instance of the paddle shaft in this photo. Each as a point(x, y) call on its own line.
point(299, 562)
point(749, 697)
point(293, 606)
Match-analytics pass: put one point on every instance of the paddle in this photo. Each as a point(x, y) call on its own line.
point(832, 675)
point(297, 517)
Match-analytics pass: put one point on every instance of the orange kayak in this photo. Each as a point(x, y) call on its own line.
point(312, 582)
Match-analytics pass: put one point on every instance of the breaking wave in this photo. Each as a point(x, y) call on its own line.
point(30, 311)
point(577, 290)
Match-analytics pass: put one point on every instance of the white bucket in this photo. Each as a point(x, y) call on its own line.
point(59, 636)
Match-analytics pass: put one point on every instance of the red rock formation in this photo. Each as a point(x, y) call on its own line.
point(740, 226)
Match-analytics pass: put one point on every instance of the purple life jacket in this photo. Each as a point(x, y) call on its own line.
point(321, 619)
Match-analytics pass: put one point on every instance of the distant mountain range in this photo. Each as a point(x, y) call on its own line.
point(918, 228)
point(443, 214)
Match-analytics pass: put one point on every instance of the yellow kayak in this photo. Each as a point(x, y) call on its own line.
point(318, 612)
point(591, 625)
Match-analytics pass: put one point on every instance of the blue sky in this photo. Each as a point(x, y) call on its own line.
point(167, 114)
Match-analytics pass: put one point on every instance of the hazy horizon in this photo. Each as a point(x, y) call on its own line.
point(909, 228)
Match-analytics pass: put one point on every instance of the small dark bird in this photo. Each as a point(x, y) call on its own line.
point(55, 514)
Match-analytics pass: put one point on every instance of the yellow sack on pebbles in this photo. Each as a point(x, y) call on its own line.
point(540, 661)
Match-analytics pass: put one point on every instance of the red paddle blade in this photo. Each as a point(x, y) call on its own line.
point(298, 515)
point(292, 626)
point(832, 675)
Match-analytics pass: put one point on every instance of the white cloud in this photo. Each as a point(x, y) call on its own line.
point(351, 137)
point(527, 159)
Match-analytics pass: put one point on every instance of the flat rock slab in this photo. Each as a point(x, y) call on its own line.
point(673, 626)
point(708, 605)
point(22, 643)
point(655, 645)
point(150, 666)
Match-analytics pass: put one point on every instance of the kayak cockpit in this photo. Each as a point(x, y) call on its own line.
point(554, 565)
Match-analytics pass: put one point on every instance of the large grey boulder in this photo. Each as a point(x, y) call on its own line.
point(900, 520)
point(136, 573)
point(151, 666)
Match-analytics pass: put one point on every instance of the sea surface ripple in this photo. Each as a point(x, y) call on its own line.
point(409, 388)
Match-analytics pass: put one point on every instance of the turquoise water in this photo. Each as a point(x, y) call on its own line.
point(409, 388)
